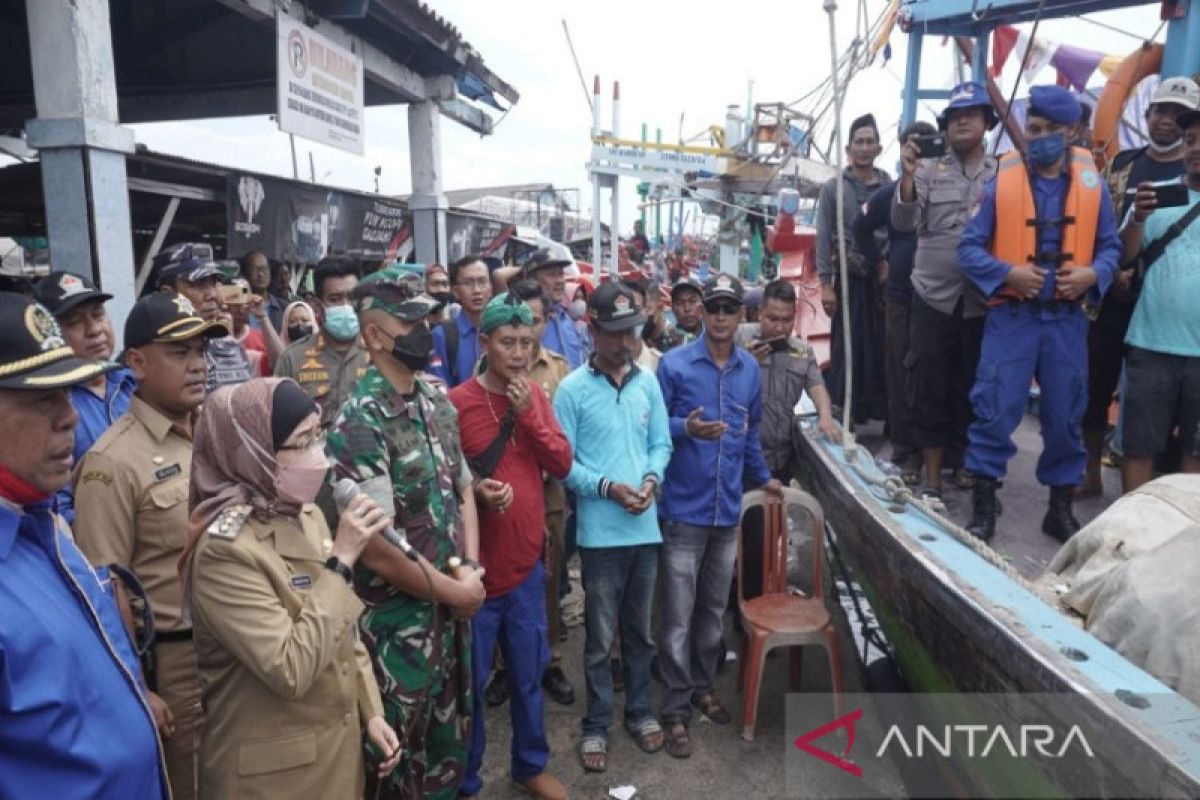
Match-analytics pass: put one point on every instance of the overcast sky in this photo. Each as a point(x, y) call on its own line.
point(671, 59)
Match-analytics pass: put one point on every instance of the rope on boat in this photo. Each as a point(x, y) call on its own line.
point(894, 490)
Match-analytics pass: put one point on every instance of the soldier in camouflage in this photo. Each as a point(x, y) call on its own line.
point(398, 434)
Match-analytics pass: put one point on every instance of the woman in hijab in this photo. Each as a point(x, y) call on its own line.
point(288, 686)
point(298, 322)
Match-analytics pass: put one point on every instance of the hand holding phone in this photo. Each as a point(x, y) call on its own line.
point(931, 146)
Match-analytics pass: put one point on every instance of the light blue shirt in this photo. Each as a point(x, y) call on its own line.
point(617, 434)
point(1166, 318)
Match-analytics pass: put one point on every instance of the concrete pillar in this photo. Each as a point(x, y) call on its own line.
point(427, 203)
point(82, 145)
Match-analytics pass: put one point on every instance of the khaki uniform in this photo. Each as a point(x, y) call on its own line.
point(328, 375)
point(287, 684)
point(548, 371)
point(131, 508)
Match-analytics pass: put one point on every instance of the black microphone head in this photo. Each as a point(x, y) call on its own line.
point(344, 491)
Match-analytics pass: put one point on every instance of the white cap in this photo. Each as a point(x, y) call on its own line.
point(1180, 91)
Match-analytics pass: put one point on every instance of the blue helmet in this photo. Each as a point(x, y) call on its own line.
point(968, 95)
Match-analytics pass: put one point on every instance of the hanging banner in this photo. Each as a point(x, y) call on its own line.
point(302, 223)
point(319, 86)
point(472, 233)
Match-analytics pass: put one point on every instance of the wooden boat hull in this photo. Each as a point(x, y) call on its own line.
point(959, 624)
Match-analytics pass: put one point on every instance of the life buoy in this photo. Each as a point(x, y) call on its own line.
point(1106, 124)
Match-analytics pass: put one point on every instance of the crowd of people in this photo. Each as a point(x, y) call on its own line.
point(295, 547)
point(971, 276)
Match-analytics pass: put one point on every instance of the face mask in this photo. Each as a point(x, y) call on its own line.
point(298, 332)
point(577, 309)
point(414, 348)
point(1045, 150)
point(298, 481)
point(1160, 149)
point(445, 298)
point(341, 323)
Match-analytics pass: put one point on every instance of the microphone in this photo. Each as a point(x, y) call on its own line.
point(346, 489)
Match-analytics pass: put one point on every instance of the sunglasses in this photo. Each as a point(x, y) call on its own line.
point(728, 309)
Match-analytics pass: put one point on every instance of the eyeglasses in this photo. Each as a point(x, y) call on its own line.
point(728, 309)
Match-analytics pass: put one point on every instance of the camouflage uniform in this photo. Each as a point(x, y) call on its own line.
point(416, 442)
point(671, 337)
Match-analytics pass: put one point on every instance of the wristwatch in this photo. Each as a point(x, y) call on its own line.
point(336, 565)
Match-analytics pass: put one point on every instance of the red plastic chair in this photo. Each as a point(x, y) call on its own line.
point(782, 617)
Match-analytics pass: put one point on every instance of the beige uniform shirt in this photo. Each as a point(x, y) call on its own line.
point(131, 504)
point(328, 375)
point(548, 370)
point(287, 685)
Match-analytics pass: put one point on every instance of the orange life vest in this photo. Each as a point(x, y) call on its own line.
point(1015, 240)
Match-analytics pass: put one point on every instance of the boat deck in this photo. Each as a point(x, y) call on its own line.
point(1019, 534)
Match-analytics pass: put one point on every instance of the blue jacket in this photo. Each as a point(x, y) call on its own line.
point(617, 433)
point(703, 484)
point(988, 272)
point(73, 721)
point(468, 352)
point(561, 337)
point(95, 417)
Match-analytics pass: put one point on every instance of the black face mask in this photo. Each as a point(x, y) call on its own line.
point(414, 349)
point(298, 332)
point(445, 298)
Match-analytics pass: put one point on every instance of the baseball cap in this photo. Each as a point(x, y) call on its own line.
point(1179, 91)
point(33, 353)
point(612, 308)
point(167, 317)
point(191, 261)
point(1187, 119)
point(722, 287)
point(62, 291)
point(541, 259)
point(687, 283)
point(396, 292)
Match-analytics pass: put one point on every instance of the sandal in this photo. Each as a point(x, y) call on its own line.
point(647, 734)
point(679, 745)
point(711, 707)
point(593, 753)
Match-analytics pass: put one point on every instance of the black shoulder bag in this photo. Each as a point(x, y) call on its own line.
point(484, 464)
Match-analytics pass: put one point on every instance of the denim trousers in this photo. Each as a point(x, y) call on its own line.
point(696, 567)
point(618, 585)
point(517, 623)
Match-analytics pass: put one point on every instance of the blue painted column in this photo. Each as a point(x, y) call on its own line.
point(979, 58)
point(912, 78)
point(1182, 54)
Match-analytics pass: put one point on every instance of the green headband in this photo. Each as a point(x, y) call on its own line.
point(505, 309)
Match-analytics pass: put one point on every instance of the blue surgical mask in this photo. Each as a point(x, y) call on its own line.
point(341, 323)
point(1045, 150)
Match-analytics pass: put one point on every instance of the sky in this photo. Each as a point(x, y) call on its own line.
point(678, 68)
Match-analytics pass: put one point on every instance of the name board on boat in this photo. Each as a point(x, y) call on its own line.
point(618, 156)
point(319, 85)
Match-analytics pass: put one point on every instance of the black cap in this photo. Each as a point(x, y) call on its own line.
point(687, 283)
point(61, 291)
point(33, 353)
point(722, 287)
point(166, 317)
point(192, 262)
point(541, 259)
point(1187, 119)
point(613, 308)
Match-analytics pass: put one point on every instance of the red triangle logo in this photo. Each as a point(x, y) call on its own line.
point(805, 742)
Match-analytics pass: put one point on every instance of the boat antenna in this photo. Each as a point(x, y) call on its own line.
point(1037, 20)
point(843, 275)
point(582, 83)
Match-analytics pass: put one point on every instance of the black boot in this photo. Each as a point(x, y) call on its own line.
point(1059, 522)
point(984, 509)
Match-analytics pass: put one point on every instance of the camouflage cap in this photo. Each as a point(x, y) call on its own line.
point(396, 291)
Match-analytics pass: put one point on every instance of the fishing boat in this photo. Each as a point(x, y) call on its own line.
point(957, 616)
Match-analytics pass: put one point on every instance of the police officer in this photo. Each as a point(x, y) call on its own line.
point(328, 363)
point(78, 307)
point(934, 198)
point(73, 721)
point(398, 437)
point(131, 494)
point(1042, 240)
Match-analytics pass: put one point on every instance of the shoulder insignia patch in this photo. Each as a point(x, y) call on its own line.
point(229, 523)
point(96, 475)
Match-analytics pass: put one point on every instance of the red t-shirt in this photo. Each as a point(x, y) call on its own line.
point(252, 342)
point(510, 544)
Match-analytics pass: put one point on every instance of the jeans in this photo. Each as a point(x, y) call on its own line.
point(517, 621)
point(696, 564)
point(618, 585)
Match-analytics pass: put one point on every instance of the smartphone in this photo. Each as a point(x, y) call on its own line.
point(931, 146)
point(235, 294)
point(1171, 194)
point(777, 345)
